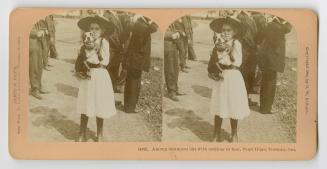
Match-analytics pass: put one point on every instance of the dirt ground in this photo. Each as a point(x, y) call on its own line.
point(54, 119)
point(189, 119)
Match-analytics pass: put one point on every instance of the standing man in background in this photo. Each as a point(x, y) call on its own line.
point(272, 60)
point(138, 59)
point(189, 35)
point(249, 50)
point(171, 61)
point(36, 50)
point(126, 22)
point(52, 36)
point(45, 43)
point(116, 48)
point(260, 21)
point(181, 44)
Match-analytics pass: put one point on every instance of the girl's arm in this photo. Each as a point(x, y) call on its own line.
point(237, 53)
point(105, 52)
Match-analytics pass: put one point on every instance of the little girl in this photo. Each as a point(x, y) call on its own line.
point(96, 96)
point(229, 97)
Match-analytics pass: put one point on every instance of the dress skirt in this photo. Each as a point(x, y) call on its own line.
point(96, 96)
point(229, 97)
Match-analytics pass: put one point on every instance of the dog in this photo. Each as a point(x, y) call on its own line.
point(221, 56)
point(89, 55)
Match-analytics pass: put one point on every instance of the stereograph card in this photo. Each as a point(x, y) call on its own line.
point(163, 84)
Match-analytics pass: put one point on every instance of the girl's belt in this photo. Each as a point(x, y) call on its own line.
point(96, 66)
point(229, 67)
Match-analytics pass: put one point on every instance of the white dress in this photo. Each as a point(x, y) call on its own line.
point(96, 96)
point(229, 97)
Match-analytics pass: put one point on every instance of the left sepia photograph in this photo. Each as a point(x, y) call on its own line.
point(95, 76)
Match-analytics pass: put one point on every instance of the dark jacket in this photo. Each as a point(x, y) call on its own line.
point(139, 49)
point(114, 38)
point(272, 51)
point(260, 22)
point(248, 38)
point(126, 23)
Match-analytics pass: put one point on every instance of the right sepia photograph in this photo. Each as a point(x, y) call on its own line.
point(230, 76)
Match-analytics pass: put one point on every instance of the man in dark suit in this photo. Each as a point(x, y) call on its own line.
point(125, 36)
point(272, 60)
point(249, 49)
point(181, 44)
point(36, 50)
point(52, 36)
point(116, 48)
point(260, 21)
point(137, 60)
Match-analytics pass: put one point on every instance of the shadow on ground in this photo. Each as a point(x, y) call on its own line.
point(204, 62)
point(67, 89)
point(202, 91)
point(52, 118)
point(68, 60)
point(188, 120)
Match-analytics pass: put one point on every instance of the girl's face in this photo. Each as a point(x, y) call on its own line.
point(96, 30)
point(228, 32)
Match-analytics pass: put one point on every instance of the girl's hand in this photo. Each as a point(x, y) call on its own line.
point(79, 76)
point(214, 77)
point(220, 76)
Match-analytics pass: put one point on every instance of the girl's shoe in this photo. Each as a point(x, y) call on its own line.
point(214, 137)
point(81, 138)
point(100, 139)
point(219, 139)
point(234, 138)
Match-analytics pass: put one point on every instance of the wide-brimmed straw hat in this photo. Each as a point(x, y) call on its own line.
point(217, 24)
point(84, 23)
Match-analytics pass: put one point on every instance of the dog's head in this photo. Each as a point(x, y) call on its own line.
point(219, 41)
point(89, 40)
